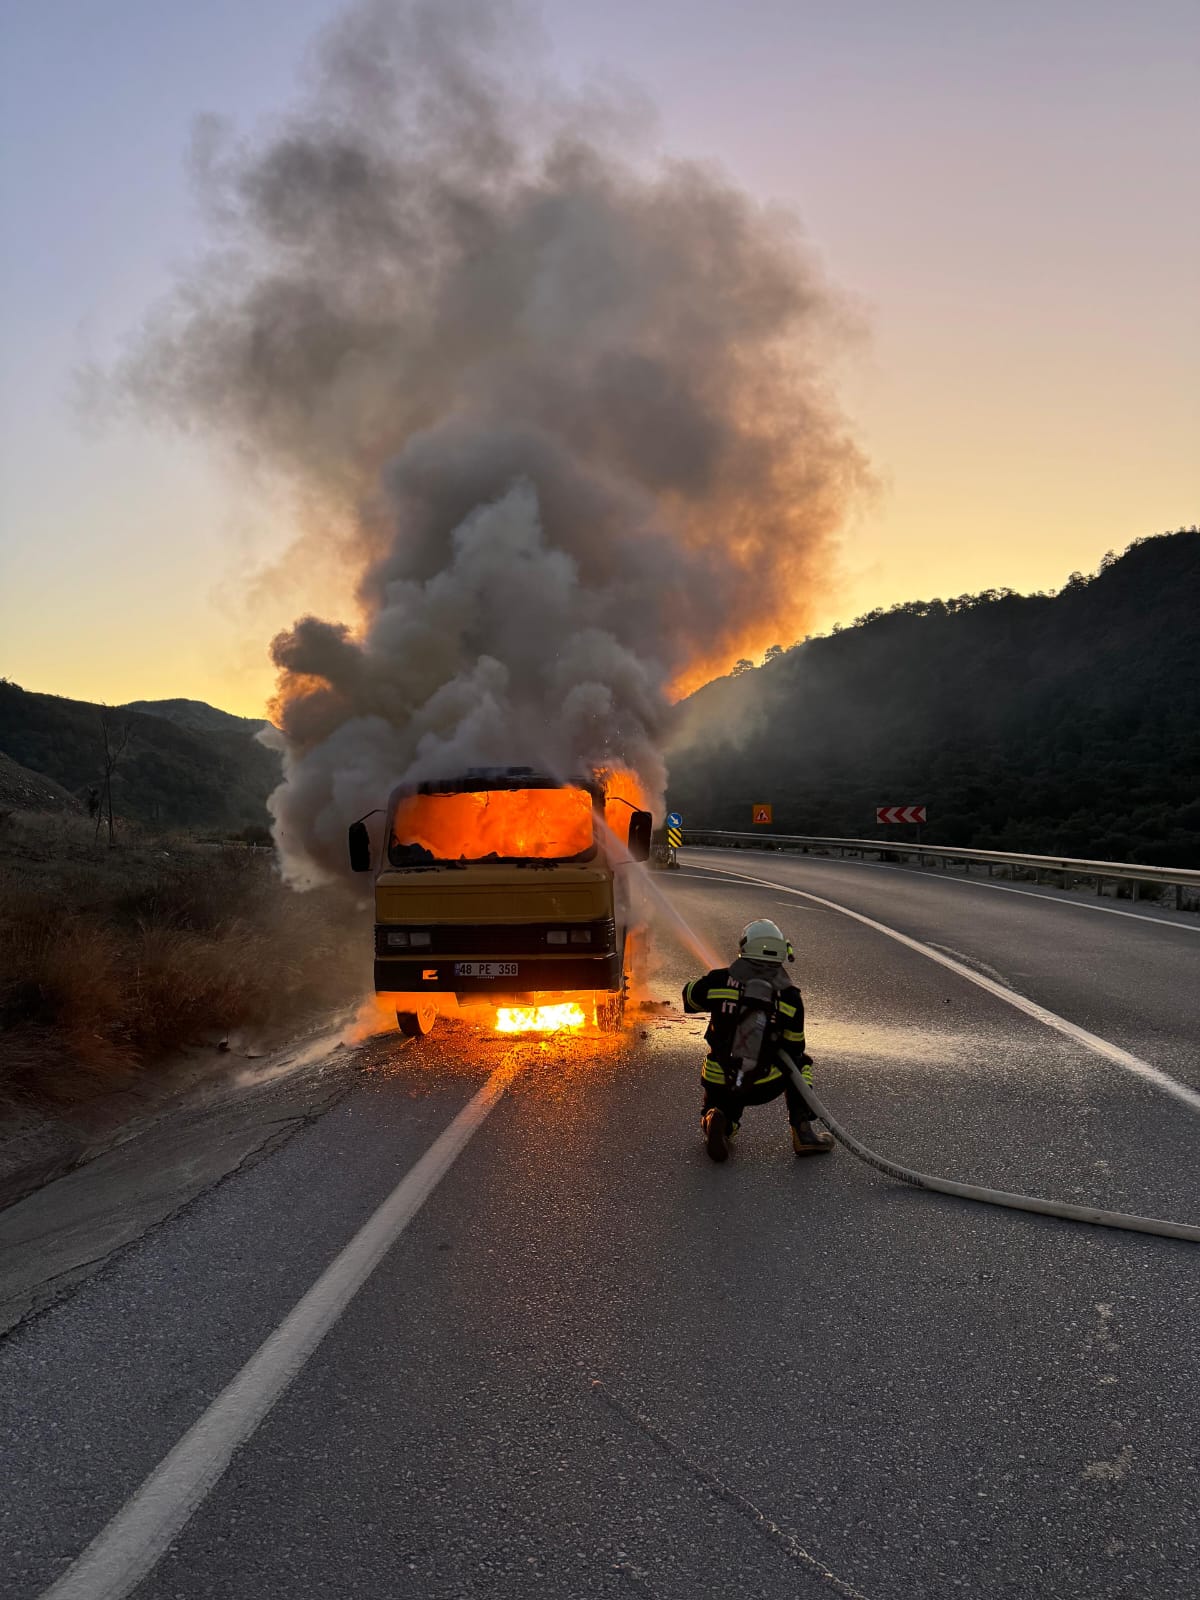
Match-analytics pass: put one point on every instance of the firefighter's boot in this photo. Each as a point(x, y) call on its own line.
point(811, 1139)
point(716, 1134)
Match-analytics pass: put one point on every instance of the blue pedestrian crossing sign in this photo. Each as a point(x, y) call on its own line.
point(674, 820)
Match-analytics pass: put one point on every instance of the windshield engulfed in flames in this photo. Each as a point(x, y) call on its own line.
point(492, 825)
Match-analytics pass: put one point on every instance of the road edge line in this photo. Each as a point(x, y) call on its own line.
point(139, 1535)
point(1050, 1019)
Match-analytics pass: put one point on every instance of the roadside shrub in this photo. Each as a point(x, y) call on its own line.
point(110, 959)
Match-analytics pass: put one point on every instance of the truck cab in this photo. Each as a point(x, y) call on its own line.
point(503, 885)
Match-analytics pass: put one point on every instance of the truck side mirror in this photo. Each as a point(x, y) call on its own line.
point(641, 826)
point(360, 847)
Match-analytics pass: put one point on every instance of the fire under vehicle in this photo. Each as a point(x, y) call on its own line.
point(503, 885)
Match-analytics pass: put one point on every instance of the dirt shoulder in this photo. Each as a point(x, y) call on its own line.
point(115, 957)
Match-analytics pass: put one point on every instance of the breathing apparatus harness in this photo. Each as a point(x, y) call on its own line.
point(756, 1029)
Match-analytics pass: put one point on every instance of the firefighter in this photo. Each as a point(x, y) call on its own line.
point(754, 1011)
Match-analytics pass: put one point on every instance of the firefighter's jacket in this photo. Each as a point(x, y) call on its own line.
point(719, 993)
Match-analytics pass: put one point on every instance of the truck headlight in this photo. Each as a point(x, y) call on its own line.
point(397, 936)
point(421, 938)
point(581, 936)
point(557, 936)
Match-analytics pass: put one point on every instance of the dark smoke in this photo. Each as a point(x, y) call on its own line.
point(563, 408)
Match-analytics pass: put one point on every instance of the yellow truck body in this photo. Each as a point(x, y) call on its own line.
point(471, 901)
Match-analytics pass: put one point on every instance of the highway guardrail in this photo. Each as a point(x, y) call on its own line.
point(1181, 884)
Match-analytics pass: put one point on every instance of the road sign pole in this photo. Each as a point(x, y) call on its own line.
point(674, 837)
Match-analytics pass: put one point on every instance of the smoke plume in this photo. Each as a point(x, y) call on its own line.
point(561, 404)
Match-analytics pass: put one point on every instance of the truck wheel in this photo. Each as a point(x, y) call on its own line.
point(416, 1024)
point(610, 1011)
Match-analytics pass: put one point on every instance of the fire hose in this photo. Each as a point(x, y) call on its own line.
point(971, 1191)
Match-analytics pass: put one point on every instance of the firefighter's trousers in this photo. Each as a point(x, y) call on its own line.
point(724, 1097)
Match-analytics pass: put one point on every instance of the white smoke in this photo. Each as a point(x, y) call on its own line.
point(571, 404)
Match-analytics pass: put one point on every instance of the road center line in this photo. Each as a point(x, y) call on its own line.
point(137, 1538)
point(1051, 1019)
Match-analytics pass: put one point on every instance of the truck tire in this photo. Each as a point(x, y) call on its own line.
point(416, 1024)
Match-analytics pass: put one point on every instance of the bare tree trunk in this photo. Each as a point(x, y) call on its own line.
point(115, 737)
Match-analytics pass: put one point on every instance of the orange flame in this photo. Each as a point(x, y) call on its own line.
point(622, 789)
point(526, 824)
point(540, 1019)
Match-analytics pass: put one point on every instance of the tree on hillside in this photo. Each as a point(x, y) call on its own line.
point(114, 738)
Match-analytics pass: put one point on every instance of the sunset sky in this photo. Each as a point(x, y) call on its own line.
point(1006, 194)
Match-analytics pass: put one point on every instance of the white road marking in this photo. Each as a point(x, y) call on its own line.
point(1000, 888)
point(1051, 1019)
point(140, 1534)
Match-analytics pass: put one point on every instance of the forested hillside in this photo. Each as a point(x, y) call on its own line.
point(166, 774)
point(1052, 723)
point(197, 715)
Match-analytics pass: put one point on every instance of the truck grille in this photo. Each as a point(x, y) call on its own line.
point(470, 939)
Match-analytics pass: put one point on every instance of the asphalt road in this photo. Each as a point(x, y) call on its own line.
point(596, 1365)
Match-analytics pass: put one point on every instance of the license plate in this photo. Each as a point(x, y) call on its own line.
point(486, 969)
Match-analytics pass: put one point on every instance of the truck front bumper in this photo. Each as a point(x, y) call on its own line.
point(442, 974)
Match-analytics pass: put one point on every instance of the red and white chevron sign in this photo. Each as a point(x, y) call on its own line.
point(900, 814)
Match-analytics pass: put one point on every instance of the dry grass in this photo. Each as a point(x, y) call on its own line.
point(112, 959)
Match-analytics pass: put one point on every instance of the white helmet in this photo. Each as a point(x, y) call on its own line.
point(763, 941)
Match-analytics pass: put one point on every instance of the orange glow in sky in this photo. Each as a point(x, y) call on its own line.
point(1008, 205)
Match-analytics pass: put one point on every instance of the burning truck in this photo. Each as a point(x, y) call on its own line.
point(508, 887)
